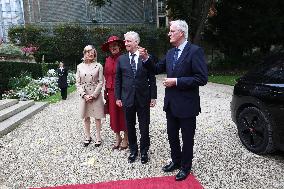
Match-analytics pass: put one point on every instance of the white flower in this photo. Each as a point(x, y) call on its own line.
point(51, 73)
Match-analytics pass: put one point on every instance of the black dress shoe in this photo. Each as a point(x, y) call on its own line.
point(144, 158)
point(171, 167)
point(132, 157)
point(87, 142)
point(98, 143)
point(182, 174)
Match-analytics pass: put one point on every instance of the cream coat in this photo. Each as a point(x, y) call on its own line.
point(89, 81)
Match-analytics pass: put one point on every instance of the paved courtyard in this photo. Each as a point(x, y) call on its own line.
point(47, 150)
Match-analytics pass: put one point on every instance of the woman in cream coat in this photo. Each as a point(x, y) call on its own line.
point(89, 83)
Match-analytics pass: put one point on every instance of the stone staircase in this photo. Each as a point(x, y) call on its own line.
point(13, 112)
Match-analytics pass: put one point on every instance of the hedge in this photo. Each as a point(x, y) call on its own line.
point(14, 69)
point(66, 42)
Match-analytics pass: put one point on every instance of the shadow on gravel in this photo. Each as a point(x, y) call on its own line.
point(278, 156)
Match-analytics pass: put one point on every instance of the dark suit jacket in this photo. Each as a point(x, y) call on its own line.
point(191, 72)
point(127, 87)
point(62, 78)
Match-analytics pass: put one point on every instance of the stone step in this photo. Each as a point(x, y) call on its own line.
point(7, 103)
point(12, 122)
point(16, 108)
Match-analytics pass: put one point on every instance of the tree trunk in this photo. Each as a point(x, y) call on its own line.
point(202, 20)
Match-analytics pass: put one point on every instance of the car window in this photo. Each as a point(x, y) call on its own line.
point(267, 72)
point(276, 73)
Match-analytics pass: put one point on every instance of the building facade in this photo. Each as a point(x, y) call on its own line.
point(48, 12)
point(11, 13)
point(162, 19)
point(119, 11)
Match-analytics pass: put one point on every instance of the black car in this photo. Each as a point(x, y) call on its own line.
point(257, 106)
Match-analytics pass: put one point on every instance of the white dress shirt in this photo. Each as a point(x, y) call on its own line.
point(135, 58)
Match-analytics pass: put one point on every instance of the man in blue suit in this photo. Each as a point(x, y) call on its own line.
point(186, 70)
point(136, 92)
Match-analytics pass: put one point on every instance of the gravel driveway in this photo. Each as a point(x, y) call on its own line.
point(47, 150)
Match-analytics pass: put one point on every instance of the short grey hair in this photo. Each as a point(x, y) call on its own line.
point(134, 35)
point(182, 26)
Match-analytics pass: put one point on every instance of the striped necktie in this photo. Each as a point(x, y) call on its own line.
point(133, 64)
point(175, 57)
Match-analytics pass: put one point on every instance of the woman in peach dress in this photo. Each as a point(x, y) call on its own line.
point(89, 83)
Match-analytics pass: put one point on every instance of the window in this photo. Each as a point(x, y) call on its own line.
point(8, 7)
point(276, 73)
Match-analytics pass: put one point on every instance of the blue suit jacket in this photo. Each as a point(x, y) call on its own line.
point(191, 72)
point(129, 89)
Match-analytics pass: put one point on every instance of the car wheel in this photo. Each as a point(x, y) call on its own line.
point(255, 131)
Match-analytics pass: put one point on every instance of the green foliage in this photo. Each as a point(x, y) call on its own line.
point(99, 35)
point(14, 69)
point(245, 27)
point(71, 78)
point(24, 87)
point(57, 97)
point(70, 41)
point(48, 51)
point(179, 9)
point(232, 64)
point(23, 80)
point(25, 36)
point(32, 92)
point(155, 40)
point(44, 68)
point(194, 12)
point(224, 79)
point(67, 41)
point(10, 49)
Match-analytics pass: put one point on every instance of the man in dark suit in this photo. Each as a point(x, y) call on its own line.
point(62, 80)
point(135, 91)
point(186, 70)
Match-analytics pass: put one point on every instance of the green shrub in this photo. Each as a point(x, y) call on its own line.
point(26, 35)
point(32, 92)
point(66, 42)
point(70, 41)
point(10, 49)
point(23, 80)
point(44, 68)
point(71, 78)
point(229, 65)
point(14, 69)
point(38, 89)
point(48, 51)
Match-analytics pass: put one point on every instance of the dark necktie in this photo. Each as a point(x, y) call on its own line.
point(133, 64)
point(175, 57)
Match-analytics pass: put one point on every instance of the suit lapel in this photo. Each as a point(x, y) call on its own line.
point(127, 61)
point(182, 57)
point(139, 65)
point(171, 59)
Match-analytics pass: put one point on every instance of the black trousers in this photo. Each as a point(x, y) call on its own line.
point(180, 155)
point(143, 114)
point(63, 93)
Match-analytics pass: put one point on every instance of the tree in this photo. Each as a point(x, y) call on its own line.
point(194, 12)
point(243, 27)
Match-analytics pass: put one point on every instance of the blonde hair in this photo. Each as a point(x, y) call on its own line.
point(89, 48)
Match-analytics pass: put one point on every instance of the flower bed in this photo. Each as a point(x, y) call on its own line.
point(36, 89)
